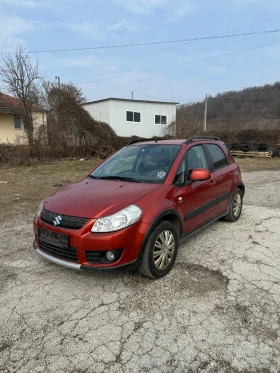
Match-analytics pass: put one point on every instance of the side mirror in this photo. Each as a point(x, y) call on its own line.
point(200, 174)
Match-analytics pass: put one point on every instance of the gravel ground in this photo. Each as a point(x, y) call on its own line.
point(217, 311)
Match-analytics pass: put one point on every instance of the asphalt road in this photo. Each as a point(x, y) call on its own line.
point(217, 311)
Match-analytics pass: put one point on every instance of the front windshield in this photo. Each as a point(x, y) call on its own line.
point(139, 163)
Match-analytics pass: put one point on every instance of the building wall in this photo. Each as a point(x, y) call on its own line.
point(8, 133)
point(99, 111)
point(113, 112)
point(147, 126)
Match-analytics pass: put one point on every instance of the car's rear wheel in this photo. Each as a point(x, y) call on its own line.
point(160, 251)
point(235, 207)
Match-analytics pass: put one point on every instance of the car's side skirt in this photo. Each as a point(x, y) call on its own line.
point(204, 225)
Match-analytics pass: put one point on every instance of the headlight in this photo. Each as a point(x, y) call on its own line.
point(120, 220)
point(40, 208)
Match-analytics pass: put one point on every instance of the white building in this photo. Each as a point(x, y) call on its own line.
point(133, 117)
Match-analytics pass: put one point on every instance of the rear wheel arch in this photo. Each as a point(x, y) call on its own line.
point(235, 205)
point(240, 186)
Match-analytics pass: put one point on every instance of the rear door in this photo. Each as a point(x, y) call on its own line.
point(221, 173)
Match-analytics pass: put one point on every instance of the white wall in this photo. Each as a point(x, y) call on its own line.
point(117, 120)
point(147, 126)
point(99, 111)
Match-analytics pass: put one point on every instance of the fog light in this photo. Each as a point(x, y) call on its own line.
point(110, 255)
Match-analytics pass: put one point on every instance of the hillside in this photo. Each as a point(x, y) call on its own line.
point(250, 108)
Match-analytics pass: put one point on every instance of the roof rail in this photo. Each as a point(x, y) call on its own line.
point(196, 138)
point(144, 140)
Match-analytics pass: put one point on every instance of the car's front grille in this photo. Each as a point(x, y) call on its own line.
point(69, 222)
point(93, 257)
point(59, 252)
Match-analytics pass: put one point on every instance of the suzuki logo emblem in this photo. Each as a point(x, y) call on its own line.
point(57, 220)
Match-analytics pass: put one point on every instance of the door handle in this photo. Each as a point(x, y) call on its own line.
point(213, 183)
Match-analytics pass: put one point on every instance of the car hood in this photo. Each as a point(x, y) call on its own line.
point(90, 198)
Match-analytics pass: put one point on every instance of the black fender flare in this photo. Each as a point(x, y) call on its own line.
point(155, 222)
point(240, 184)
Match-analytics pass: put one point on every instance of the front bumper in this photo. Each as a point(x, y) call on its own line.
point(55, 260)
point(78, 267)
point(85, 242)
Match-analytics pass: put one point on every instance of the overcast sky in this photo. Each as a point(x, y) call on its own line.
point(65, 24)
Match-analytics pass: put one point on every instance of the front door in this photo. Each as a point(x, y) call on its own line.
point(199, 197)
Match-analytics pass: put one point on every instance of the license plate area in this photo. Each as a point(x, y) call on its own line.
point(54, 238)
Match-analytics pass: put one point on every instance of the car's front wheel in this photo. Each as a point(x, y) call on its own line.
point(160, 251)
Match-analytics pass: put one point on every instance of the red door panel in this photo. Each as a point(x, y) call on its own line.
point(223, 178)
point(223, 175)
point(199, 200)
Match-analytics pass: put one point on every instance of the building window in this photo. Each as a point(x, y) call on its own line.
point(17, 122)
point(132, 116)
point(160, 119)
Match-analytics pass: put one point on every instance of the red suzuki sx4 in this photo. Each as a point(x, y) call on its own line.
point(136, 206)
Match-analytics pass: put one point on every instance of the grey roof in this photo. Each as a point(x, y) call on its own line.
point(126, 99)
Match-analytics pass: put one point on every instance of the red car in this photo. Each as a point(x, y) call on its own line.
point(136, 205)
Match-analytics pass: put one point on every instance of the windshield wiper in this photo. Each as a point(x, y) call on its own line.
point(93, 177)
point(124, 178)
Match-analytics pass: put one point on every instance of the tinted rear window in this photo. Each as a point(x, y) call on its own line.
point(219, 158)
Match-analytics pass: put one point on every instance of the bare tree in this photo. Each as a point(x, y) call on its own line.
point(51, 93)
point(189, 122)
point(69, 125)
point(21, 78)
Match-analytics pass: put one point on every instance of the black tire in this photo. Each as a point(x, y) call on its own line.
point(147, 265)
point(274, 152)
point(234, 214)
point(245, 148)
point(262, 147)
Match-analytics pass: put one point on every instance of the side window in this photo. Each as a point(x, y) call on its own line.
point(218, 156)
point(133, 116)
point(17, 122)
point(229, 153)
point(180, 177)
point(129, 116)
point(196, 158)
point(160, 119)
point(137, 117)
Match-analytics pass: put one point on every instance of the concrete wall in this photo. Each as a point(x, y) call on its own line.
point(8, 133)
point(99, 111)
point(113, 112)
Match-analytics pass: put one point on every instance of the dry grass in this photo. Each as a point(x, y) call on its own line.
point(258, 164)
point(26, 187)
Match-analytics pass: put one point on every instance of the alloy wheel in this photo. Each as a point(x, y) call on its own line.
point(237, 204)
point(164, 249)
